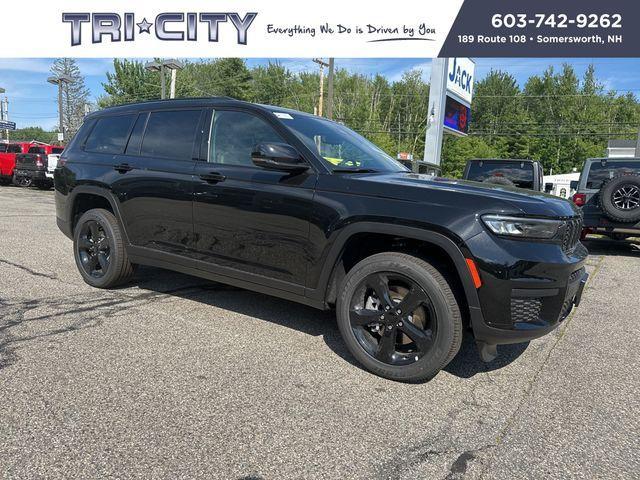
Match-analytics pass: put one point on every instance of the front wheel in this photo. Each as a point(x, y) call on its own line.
point(99, 250)
point(399, 317)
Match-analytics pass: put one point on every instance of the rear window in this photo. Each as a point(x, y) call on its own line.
point(14, 149)
point(57, 150)
point(171, 134)
point(39, 150)
point(520, 173)
point(598, 173)
point(109, 135)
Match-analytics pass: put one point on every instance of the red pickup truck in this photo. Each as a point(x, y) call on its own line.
point(36, 166)
point(8, 152)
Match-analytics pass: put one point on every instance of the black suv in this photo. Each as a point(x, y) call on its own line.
point(296, 206)
point(609, 194)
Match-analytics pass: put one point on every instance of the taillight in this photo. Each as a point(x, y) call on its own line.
point(579, 199)
point(39, 162)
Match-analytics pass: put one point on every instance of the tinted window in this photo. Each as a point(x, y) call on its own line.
point(109, 135)
point(171, 134)
point(14, 149)
point(133, 147)
point(235, 134)
point(519, 173)
point(39, 150)
point(57, 150)
point(3, 147)
point(598, 173)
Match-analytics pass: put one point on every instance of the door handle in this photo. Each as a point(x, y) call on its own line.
point(123, 167)
point(213, 177)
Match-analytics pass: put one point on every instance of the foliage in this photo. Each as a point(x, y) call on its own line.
point(555, 117)
point(34, 133)
point(75, 95)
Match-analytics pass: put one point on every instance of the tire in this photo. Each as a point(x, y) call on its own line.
point(21, 181)
point(98, 231)
point(499, 181)
point(619, 198)
point(421, 346)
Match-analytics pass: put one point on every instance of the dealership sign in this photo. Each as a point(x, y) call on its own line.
point(460, 78)
point(6, 125)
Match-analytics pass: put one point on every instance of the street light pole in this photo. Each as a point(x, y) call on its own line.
point(2, 114)
point(60, 80)
point(161, 66)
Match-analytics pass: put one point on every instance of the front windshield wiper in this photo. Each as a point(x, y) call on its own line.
point(354, 170)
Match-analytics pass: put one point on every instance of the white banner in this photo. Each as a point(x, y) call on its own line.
point(244, 28)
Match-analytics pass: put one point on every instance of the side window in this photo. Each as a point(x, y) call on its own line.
point(109, 135)
point(170, 134)
point(133, 147)
point(14, 149)
point(234, 134)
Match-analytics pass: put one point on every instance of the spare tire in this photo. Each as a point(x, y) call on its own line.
point(499, 181)
point(620, 198)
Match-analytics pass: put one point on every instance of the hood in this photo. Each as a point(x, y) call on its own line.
point(481, 197)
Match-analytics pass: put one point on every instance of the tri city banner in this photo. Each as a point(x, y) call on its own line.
point(255, 28)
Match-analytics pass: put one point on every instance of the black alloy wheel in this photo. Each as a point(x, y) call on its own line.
point(393, 318)
point(627, 197)
point(399, 317)
point(94, 249)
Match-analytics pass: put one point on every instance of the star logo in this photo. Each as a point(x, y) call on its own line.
point(144, 26)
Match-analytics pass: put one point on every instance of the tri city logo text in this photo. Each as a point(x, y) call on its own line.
point(169, 26)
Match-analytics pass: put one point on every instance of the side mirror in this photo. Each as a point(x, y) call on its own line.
point(548, 187)
point(278, 156)
point(573, 185)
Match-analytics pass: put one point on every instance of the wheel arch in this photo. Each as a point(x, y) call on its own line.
point(330, 275)
point(87, 197)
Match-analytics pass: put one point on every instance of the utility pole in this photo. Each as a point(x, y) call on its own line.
point(330, 89)
point(60, 80)
point(322, 64)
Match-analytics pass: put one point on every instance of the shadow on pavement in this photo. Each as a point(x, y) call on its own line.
point(299, 317)
point(607, 246)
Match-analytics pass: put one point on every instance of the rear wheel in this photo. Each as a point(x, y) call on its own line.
point(22, 181)
point(99, 250)
point(399, 317)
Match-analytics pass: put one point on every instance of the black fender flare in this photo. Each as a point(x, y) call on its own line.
point(99, 192)
point(429, 236)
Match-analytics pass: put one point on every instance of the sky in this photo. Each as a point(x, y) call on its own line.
point(33, 101)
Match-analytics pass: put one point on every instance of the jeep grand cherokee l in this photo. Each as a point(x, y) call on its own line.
point(293, 205)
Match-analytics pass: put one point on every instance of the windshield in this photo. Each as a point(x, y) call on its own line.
point(598, 172)
point(518, 173)
point(340, 147)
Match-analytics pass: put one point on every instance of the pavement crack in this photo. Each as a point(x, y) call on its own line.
point(29, 270)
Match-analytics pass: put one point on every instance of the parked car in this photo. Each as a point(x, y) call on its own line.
point(243, 194)
point(36, 167)
point(8, 159)
point(608, 193)
point(511, 172)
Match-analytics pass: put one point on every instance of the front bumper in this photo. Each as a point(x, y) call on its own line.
point(528, 288)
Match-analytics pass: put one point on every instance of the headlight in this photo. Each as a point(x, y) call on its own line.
point(522, 227)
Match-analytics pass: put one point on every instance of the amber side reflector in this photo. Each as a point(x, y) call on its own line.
point(475, 275)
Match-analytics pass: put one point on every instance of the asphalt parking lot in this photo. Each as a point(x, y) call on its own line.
point(177, 377)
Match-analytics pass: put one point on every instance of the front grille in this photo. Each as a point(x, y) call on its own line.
point(525, 309)
point(571, 235)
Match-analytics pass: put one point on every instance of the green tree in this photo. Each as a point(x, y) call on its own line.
point(75, 95)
